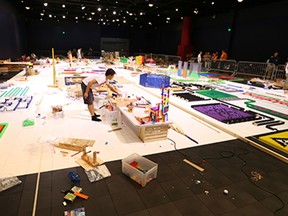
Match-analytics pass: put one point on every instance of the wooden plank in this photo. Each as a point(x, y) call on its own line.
point(194, 165)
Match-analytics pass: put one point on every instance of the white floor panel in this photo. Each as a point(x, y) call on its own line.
point(27, 150)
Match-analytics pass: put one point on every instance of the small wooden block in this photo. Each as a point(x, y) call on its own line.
point(87, 166)
point(89, 160)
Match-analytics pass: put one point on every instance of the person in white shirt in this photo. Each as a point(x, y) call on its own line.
point(79, 54)
point(95, 81)
point(199, 57)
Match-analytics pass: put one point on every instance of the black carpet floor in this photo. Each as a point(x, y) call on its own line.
point(179, 189)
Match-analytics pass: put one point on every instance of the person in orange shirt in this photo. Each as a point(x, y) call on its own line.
point(214, 56)
point(224, 55)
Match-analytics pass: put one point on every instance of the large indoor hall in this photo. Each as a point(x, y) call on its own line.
point(143, 108)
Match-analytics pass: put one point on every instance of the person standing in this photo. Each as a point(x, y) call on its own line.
point(224, 55)
point(70, 57)
point(199, 57)
point(79, 54)
point(273, 61)
point(92, 82)
point(285, 86)
point(214, 57)
point(207, 59)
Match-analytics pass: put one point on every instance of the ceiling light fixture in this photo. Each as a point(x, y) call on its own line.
point(83, 7)
point(212, 3)
point(64, 16)
point(99, 9)
point(63, 6)
point(168, 18)
point(150, 5)
point(240, 0)
point(50, 15)
point(45, 4)
point(196, 11)
point(42, 14)
point(176, 9)
point(114, 12)
point(93, 13)
point(27, 8)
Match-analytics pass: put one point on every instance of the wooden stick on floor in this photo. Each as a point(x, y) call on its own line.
point(194, 165)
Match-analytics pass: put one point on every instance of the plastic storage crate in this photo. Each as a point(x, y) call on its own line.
point(145, 173)
point(154, 80)
point(112, 118)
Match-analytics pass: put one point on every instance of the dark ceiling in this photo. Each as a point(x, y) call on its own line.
point(126, 12)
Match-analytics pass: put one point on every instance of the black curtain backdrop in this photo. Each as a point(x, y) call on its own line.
point(256, 33)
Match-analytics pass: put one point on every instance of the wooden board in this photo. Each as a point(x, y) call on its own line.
point(123, 102)
point(153, 133)
point(74, 144)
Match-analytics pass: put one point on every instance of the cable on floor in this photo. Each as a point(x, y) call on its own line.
point(230, 154)
point(257, 185)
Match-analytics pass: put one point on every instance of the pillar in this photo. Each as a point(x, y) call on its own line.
point(185, 47)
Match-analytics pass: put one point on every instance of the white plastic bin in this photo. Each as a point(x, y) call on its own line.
point(112, 117)
point(146, 172)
